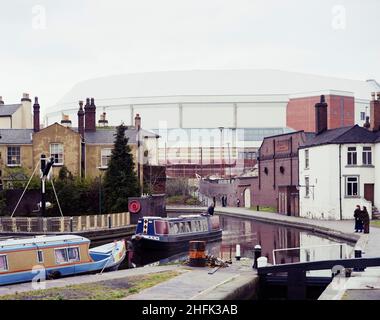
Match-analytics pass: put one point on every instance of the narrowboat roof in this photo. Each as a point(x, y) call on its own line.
point(41, 241)
point(181, 217)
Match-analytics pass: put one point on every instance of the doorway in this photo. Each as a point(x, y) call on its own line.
point(247, 198)
point(369, 192)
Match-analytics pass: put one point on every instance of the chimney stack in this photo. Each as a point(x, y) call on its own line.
point(36, 114)
point(66, 120)
point(90, 115)
point(367, 124)
point(25, 97)
point(81, 119)
point(321, 116)
point(103, 122)
point(375, 111)
point(138, 122)
point(1, 100)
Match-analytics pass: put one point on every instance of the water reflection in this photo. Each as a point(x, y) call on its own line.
point(249, 233)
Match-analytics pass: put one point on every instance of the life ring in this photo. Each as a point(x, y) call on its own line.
point(134, 206)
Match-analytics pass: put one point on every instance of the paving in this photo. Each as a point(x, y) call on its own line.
point(236, 281)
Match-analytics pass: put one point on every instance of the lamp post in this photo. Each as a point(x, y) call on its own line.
point(221, 151)
point(229, 159)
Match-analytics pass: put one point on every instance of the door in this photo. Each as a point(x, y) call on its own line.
point(247, 198)
point(369, 194)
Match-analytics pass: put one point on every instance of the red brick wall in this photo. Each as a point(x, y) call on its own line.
point(276, 152)
point(300, 112)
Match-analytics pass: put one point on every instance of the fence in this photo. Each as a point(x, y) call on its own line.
point(65, 224)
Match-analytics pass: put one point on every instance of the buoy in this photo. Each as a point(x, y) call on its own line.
point(238, 256)
point(197, 253)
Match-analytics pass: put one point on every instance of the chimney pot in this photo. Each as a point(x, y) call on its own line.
point(66, 120)
point(90, 115)
point(138, 121)
point(81, 119)
point(25, 97)
point(36, 115)
point(367, 124)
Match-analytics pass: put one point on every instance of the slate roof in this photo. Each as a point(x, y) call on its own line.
point(352, 134)
point(107, 136)
point(16, 136)
point(8, 109)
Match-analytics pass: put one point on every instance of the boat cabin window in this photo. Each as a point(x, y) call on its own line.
point(40, 256)
point(74, 254)
point(3, 263)
point(67, 255)
point(161, 227)
point(188, 226)
point(61, 256)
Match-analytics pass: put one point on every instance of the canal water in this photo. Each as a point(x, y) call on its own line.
point(279, 244)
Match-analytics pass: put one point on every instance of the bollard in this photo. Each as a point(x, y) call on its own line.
point(262, 262)
point(256, 255)
point(237, 255)
point(197, 253)
point(358, 254)
point(109, 222)
point(71, 224)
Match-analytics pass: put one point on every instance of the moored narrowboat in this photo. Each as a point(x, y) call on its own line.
point(174, 234)
point(56, 256)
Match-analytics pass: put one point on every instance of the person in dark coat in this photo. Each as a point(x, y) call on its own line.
point(210, 209)
point(365, 219)
point(358, 219)
point(238, 202)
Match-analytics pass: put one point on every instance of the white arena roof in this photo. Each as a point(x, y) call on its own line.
point(209, 83)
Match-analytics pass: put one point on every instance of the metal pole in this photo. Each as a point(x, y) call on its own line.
point(256, 255)
point(43, 190)
point(229, 159)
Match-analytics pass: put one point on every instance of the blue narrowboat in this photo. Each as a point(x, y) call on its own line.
point(174, 234)
point(23, 260)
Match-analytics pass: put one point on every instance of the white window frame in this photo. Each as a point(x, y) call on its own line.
point(55, 256)
point(367, 152)
point(42, 256)
point(307, 159)
point(106, 156)
point(307, 187)
point(346, 182)
point(6, 263)
point(350, 156)
point(19, 155)
point(68, 256)
point(62, 158)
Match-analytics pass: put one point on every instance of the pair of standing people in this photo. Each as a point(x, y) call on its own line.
point(362, 219)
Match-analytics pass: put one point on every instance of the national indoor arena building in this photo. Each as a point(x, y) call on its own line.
point(212, 122)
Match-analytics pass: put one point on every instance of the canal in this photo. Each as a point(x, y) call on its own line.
point(272, 237)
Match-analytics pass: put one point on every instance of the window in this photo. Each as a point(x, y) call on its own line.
point(351, 156)
point(307, 159)
point(61, 256)
point(352, 186)
point(40, 256)
point(56, 151)
point(13, 156)
point(73, 254)
point(362, 115)
point(161, 227)
point(3, 263)
point(307, 187)
point(367, 155)
point(105, 157)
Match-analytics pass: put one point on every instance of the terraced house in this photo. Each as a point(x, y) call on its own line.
point(84, 150)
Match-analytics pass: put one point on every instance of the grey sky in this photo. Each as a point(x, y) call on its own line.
point(83, 39)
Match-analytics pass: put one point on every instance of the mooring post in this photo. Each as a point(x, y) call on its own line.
point(256, 255)
point(71, 224)
point(358, 254)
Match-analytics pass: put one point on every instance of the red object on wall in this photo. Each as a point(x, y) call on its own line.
point(134, 206)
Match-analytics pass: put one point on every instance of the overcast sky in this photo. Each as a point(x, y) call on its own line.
point(48, 46)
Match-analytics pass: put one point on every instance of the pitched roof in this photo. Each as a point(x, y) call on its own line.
point(352, 134)
point(8, 109)
point(16, 136)
point(107, 136)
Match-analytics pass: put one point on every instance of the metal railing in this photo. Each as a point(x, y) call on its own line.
point(64, 224)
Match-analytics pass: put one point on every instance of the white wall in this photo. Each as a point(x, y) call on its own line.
point(324, 202)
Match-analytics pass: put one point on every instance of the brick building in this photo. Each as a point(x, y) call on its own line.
point(300, 113)
point(85, 150)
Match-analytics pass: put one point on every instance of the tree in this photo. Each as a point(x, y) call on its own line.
point(120, 181)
